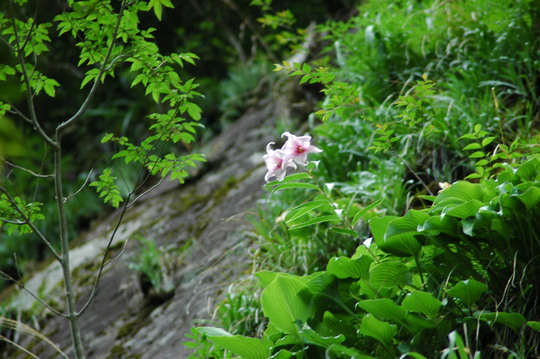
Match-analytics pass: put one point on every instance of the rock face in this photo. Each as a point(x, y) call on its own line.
point(203, 224)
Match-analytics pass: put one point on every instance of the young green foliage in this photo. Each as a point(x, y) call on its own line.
point(110, 43)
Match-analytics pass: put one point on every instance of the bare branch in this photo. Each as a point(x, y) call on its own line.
point(145, 192)
point(140, 180)
point(17, 223)
point(18, 112)
point(35, 296)
point(25, 169)
point(81, 188)
point(32, 226)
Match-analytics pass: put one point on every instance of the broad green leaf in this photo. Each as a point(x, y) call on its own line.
point(384, 309)
point(378, 226)
point(399, 238)
point(282, 354)
point(382, 331)
point(287, 340)
point(459, 192)
point(349, 352)
point(390, 274)
point(439, 224)
point(412, 355)
point(464, 210)
point(422, 302)
point(513, 320)
point(320, 283)
point(530, 170)
point(530, 198)
point(285, 301)
point(534, 324)
point(310, 336)
point(245, 347)
point(415, 323)
point(344, 267)
point(266, 277)
point(372, 291)
point(468, 291)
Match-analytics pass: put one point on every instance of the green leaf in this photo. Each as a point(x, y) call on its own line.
point(365, 210)
point(457, 193)
point(245, 347)
point(513, 320)
point(266, 277)
point(530, 198)
point(384, 308)
point(422, 302)
point(49, 87)
point(345, 231)
point(290, 179)
point(107, 188)
point(455, 345)
point(468, 291)
point(486, 141)
point(345, 351)
point(381, 331)
point(322, 219)
point(412, 355)
point(282, 354)
point(534, 324)
point(294, 185)
point(157, 7)
point(472, 146)
point(400, 235)
point(344, 267)
point(194, 111)
point(89, 76)
point(285, 301)
point(464, 210)
point(390, 274)
point(530, 170)
point(477, 154)
point(303, 209)
point(438, 224)
point(310, 336)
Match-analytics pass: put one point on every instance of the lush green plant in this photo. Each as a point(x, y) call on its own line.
point(427, 273)
point(149, 263)
point(110, 41)
point(405, 85)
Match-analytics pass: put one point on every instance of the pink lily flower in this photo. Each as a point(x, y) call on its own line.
point(298, 147)
point(276, 162)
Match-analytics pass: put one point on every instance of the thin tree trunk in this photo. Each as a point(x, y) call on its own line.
point(73, 315)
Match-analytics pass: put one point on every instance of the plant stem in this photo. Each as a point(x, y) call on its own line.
point(420, 271)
